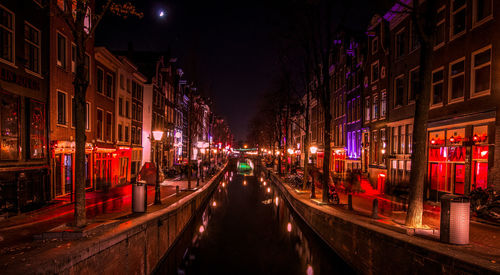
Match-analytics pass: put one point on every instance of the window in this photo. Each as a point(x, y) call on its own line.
point(109, 123)
point(482, 10)
point(367, 109)
point(375, 108)
point(37, 130)
point(7, 35)
point(120, 106)
point(110, 88)
point(122, 84)
point(100, 81)
point(9, 127)
point(120, 132)
point(32, 44)
point(375, 71)
point(414, 83)
point(440, 32)
point(481, 72)
point(127, 107)
point(61, 108)
point(395, 140)
point(409, 139)
point(437, 87)
point(375, 45)
point(139, 111)
point(458, 16)
point(414, 41)
point(139, 136)
point(100, 124)
point(133, 136)
point(402, 136)
point(73, 58)
point(126, 134)
point(401, 40)
point(61, 50)
point(134, 111)
point(399, 89)
point(383, 104)
point(457, 79)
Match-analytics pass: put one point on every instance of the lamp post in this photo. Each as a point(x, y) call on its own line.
point(313, 150)
point(157, 136)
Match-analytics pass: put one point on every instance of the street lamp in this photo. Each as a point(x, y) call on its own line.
point(157, 136)
point(313, 149)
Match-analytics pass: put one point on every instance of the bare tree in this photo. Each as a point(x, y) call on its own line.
point(82, 21)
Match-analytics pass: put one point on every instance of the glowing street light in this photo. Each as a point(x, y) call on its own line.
point(290, 151)
point(313, 149)
point(162, 13)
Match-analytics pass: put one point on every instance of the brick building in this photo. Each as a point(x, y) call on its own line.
point(24, 71)
point(62, 56)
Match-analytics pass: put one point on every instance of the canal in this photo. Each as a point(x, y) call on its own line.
point(248, 228)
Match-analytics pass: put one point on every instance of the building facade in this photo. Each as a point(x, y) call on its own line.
point(24, 72)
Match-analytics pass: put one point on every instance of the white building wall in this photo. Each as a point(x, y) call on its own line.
point(146, 123)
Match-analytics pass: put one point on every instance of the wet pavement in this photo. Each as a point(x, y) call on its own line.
point(99, 205)
point(247, 228)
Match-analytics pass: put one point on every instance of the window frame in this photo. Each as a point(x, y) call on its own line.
point(410, 90)
point(371, 72)
point(452, 13)
point(476, 23)
point(411, 38)
point(102, 124)
point(100, 87)
point(443, 22)
point(65, 65)
point(399, 33)
point(401, 76)
point(13, 39)
point(374, 40)
point(383, 104)
point(473, 69)
point(450, 82)
point(39, 47)
point(65, 124)
point(432, 104)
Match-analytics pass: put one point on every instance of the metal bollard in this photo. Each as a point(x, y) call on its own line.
point(177, 189)
point(375, 209)
point(349, 201)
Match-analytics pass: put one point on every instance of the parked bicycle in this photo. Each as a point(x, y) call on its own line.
point(485, 203)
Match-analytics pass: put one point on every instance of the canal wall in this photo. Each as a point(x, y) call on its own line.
point(135, 246)
point(373, 249)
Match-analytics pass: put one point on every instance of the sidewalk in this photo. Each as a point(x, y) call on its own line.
point(100, 206)
point(484, 238)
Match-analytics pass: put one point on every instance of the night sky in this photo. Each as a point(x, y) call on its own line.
point(228, 47)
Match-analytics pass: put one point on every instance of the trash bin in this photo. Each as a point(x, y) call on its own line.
point(139, 197)
point(455, 218)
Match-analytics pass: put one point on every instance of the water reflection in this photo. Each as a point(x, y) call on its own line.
point(247, 228)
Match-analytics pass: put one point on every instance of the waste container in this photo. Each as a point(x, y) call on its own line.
point(139, 196)
point(455, 218)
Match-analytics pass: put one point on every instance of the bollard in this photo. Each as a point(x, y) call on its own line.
point(313, 190)
point(349, 201)
point(197, 181)
point(177, 189)
point(375, 209)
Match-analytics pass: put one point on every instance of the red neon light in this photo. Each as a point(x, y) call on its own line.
point(433, 141)
point(452, 139)
point(382, 175)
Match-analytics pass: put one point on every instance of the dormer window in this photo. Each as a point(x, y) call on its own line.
point(375, 45)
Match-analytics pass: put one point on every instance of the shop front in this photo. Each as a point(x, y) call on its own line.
point(135, 162)
point(62, 167)
point(338, 163)
point(103, 168)
point(458, 160)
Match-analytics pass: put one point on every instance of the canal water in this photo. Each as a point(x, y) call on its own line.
point(248, 228)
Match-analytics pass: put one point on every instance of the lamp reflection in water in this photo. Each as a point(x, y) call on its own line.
point(309, 270)
point(202, 229)
point(276, 201)
point(268, 189)
point(289, 227)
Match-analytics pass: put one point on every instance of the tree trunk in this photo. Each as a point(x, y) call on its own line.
point(190, 140)
point(305, 146)
point(326, 134)
point(80, 88)
point(419, 155)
